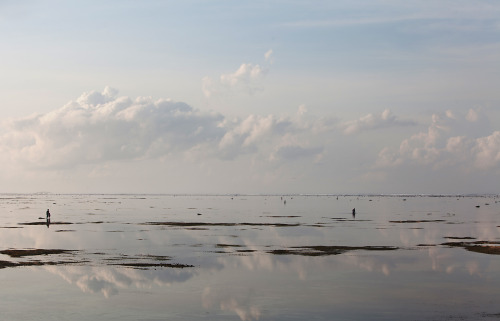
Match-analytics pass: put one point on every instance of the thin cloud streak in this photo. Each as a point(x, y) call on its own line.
point(428, 14)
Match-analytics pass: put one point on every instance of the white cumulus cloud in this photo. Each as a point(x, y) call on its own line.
point(449, 141)
point(487, 151)
point(248, 79)
point(100, 136)
point(99, 127)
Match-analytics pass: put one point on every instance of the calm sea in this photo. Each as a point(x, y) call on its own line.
point(245, 257)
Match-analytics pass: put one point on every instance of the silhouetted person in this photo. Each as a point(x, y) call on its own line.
point(354, 212)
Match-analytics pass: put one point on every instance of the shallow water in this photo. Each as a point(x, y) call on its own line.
point(165, 257)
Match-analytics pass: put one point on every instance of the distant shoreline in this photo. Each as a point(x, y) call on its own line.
point(259, 195)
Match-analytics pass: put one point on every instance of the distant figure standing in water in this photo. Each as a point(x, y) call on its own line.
point(48, 217)
point(354, 212)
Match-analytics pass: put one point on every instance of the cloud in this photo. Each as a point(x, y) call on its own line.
point(244, 135)
point(101, 128)
point(430, 16)
point(278, 138)
point(472, 116)
point(269, 56)
point(245, 74)
point(232, 302)
point(369, 122)
point(100, 135)
point(246, 79)
point(486, 151)
point(450, 140)
point(110, 281)
point(208, 86)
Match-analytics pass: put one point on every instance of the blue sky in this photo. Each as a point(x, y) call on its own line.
point(250, 96)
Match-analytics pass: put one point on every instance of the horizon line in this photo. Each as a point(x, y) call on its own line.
point(270, 194)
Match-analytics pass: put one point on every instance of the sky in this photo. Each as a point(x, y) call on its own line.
point(257, 97)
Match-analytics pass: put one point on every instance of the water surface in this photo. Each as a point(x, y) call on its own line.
point(234, 257)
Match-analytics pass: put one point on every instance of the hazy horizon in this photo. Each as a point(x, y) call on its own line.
point(282, 195)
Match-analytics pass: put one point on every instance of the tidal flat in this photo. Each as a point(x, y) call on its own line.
point(250, 257)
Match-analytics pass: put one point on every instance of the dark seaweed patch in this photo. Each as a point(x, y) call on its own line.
point(139, 261)
point(4, 264)
point(417, 221)
point(322, 250)
point(282, 216)
point(485, 247)
point(156, 257)
point(41, 263)
point(490, 315)
point(459, 237)
point(150, 265)
point(45, 223)
point(195, 224)
point(17, 253)
point(33, 252)
point(228, 245)
point(343, 219)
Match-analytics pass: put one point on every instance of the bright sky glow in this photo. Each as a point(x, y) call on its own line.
point(250, 96)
